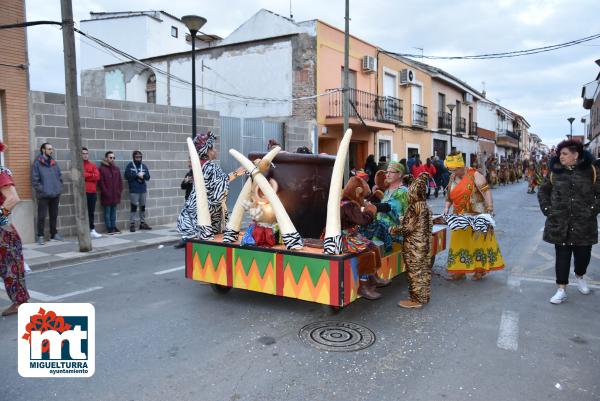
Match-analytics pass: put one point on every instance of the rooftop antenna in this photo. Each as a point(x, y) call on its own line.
point(291, 15)
point(483, 91)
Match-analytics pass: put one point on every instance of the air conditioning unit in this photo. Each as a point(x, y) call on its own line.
point(468, 98)
point(407, 77)
point(368, 64)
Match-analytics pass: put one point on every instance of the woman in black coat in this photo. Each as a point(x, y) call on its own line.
point(570, 200)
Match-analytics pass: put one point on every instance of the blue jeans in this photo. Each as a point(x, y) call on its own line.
point(110, 217)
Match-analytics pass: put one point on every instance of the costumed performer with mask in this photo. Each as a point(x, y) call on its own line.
point(217, 187)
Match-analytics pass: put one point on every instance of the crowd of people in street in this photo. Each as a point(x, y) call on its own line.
point(392, 207)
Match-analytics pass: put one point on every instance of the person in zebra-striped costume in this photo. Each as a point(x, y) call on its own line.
point(217, 187)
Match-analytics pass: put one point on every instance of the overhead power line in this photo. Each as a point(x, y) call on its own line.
point(488, 56)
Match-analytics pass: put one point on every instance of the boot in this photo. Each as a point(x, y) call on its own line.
point(409, 304)
point(132, 227)
point(144, 226)
point(368, 292)
point(378, 282)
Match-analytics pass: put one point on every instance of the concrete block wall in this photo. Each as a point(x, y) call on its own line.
point(158, 131)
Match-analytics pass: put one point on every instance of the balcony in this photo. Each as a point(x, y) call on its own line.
point(368, 106)
point(419, 115)
point(473, 128)
point(389, 109)
point(444, 120)
point(461, 124)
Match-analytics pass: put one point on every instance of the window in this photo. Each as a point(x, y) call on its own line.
point(351, 79)
point(442, 102)
point(151, 89)
point(1, 132)
point(389, 84)
point(174, 31)
point(385, 148)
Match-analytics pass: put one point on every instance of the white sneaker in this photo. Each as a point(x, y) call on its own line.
point(559, 297)
point(94, 234)
point(582, 285)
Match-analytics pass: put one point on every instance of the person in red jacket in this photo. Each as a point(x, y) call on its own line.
point(111, 187)
point(92, 176)
point(418, 168)
point(431, 170)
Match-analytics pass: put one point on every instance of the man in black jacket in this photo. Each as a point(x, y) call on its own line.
point(570, 200)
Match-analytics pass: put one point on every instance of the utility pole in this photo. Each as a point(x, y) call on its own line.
point(346, 92)
point(72, 108)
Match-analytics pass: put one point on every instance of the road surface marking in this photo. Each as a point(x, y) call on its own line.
point(169, 270)
point(545, 255)
point(591, 284)
point(508, 333)
point(513, 282)
point(50, 298)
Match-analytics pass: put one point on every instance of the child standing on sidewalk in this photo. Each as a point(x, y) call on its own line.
point(416, 249)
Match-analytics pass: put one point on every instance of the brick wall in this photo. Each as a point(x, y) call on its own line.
point(158, 131)
point(14, 95)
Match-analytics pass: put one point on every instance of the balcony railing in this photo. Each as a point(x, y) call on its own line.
point(419, 115)
point(444, 120)
point(512, 134)
point(461, 124)
point(368, 105)
point(390, 109)
point(473, 128)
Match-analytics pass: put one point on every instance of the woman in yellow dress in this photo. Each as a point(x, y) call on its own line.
point(470, 251)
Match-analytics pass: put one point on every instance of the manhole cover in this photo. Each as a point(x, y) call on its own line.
point(337, 336)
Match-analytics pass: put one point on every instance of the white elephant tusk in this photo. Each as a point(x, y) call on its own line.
point(285, 223)
point(235, 220)
point(201, 198)
point(333, 226)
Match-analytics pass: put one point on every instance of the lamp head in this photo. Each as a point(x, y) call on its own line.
point(571, 119)
point(193, 22)
point(451, 107)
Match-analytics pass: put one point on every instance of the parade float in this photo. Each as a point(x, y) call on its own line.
point(296, 197)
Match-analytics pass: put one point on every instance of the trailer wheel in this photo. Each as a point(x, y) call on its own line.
point(220, 289)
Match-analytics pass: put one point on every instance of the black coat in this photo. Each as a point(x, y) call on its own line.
point(570, 200)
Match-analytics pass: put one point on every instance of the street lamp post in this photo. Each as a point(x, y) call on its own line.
point(451, 108)
point(570, 120)
point(193, 23)
point(585, 133)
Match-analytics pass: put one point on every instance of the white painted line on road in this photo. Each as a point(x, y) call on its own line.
point(169, 270)
point(545, 255)
point(591, 284)
point(513, 282)
point(508, 334)
point(49, 298)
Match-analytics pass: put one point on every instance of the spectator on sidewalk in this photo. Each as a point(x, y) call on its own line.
point(383, 164)
point(46, 180)
point(12, 267)
point(92, 176)
point(187, 185)
point(136, 174)
point(188, 182)
point(111, 187)
point(411, 162)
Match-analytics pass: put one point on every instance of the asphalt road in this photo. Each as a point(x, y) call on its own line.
point(162, 337)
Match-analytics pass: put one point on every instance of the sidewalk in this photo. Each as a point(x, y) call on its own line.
point(56, 253)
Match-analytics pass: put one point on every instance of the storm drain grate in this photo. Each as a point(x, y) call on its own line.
point(337, 336)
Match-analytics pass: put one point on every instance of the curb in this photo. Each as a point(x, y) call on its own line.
point(90, 256)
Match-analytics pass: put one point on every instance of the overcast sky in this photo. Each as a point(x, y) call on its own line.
point(544, 88)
